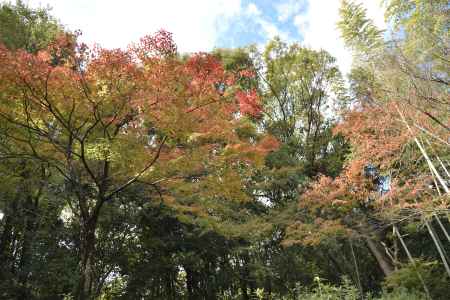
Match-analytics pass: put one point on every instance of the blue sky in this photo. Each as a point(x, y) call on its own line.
point(201, 25)
point(261, 20)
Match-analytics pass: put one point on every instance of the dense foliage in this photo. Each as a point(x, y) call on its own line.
point(238, 174)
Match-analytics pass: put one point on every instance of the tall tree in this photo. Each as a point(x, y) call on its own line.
point(26, 184)
point(22, 27)
point(108, 119)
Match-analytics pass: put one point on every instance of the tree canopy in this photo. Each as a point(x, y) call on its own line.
point(247, 173)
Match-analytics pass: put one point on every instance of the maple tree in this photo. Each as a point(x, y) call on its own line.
point(107, 119)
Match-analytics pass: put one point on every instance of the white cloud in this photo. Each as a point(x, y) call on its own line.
point(319, 30)
point(195, 24)
point(269, 28)
point(288, 9)
point(253, 10)
point(376, 12)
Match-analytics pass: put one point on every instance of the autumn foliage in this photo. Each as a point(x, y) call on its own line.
point(380, 138)
point(126, 106)
point(106, 120)
point(243, 173)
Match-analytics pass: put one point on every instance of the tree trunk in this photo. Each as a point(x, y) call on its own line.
point(7, 238)
point(87, 247)
point(268, 288)
point(245, 295)
point(29, 232)
point(5, 241)
point(381, 258)
point(190, 283)
point(245, 277)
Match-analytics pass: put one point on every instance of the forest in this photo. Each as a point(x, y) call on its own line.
point(240, 173)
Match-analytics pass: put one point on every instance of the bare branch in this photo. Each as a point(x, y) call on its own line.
point(136, 177)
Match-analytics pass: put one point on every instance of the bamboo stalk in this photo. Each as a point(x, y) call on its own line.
point(427, 292)
point(435, 238)
point(443, 166)
point(424, 153)
point(432, 135)
point(432, 167)
point(442, 227)
point(436, 216)
point(438, 158)
point(356, 269)
point(438, 246)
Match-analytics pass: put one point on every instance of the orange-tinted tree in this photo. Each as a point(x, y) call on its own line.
point(108, 119)
point(353, 204)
